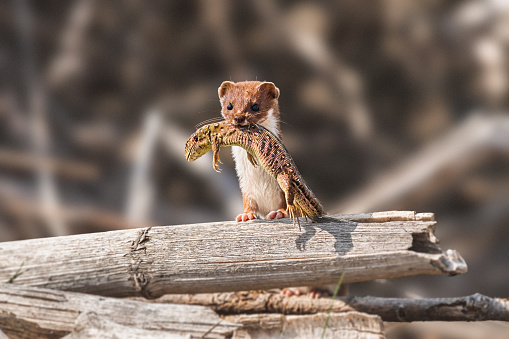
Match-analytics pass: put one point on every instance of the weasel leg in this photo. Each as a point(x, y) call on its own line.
point(250, 209)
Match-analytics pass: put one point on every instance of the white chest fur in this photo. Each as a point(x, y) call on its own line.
point(254, 181)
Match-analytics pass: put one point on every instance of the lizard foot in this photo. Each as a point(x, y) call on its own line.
point(246, 216)
point(279, 214)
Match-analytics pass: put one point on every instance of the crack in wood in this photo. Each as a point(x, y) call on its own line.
point(139, 274)
point(139, 242)
point(424, 242)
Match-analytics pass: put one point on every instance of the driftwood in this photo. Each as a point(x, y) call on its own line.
point(476, 307)
point(28, 312)
point(230, 256)
point(90, 325)
point(349, 325)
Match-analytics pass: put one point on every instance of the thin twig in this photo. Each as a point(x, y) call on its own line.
point(17, 274)
point(338, 286)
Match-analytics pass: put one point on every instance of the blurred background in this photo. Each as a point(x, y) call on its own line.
point(386, 105)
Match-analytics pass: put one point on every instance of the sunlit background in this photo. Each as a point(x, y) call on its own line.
point(386, 105)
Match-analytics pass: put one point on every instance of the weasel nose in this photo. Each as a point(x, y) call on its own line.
point(239, 119)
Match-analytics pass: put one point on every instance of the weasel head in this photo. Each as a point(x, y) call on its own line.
point(248, 102)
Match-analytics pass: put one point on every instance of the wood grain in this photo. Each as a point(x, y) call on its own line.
point(230, 256)
point(348, 325)
point(476, 307)
point(29, 312)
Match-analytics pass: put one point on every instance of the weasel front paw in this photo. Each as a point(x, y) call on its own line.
point(246, 216)
point(280, 214)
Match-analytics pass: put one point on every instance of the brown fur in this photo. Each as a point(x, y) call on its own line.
point(243, 95)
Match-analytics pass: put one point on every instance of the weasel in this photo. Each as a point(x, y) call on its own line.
point(244, 103)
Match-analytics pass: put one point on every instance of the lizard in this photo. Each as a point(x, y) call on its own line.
point(265, 149)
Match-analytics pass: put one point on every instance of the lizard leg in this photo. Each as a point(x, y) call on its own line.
point(251, 159)
point(215, 155)
point(285, 183)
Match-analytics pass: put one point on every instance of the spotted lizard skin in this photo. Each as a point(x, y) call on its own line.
point(263, 149)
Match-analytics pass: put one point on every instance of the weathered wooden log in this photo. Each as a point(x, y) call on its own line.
point(29, 312)
point(348, 325)
point(231, 256)
point(90, 325)
point(476, 307)
point(249, 302)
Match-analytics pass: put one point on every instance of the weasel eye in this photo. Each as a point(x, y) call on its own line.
point(255, 107)
point(230, 106)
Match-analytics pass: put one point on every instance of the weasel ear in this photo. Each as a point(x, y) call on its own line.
point(225, 86)
point(270, 89)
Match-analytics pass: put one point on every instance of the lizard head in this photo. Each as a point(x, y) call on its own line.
point(198, 144)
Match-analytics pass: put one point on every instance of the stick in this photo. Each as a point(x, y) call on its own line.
point(476, 307)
